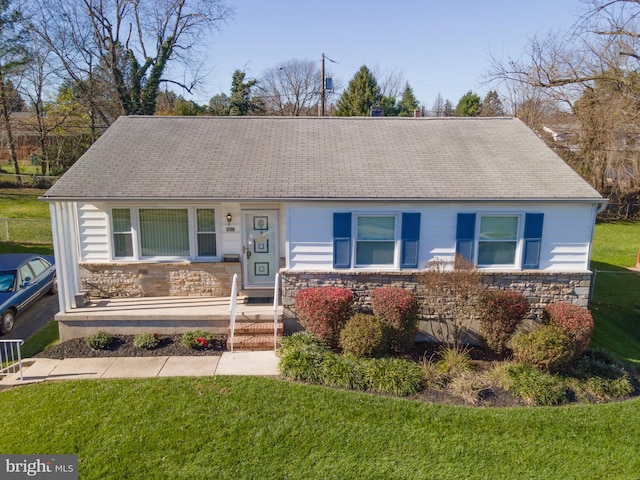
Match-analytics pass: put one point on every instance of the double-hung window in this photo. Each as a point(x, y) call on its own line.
point(154, 232)
point(375, 240)
point(498, 240)
point(122, 233)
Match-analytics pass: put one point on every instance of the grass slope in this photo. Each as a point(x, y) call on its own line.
point(240, 427)
point(617, 291)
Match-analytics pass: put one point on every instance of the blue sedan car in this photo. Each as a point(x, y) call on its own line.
point(24, 278)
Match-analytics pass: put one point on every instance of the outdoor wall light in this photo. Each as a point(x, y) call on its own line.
point(229, 218)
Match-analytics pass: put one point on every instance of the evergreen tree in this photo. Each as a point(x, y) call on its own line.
point(492, 105)
point(408, 103)
point(241, 102)
point(469, 105)
point(363, 92)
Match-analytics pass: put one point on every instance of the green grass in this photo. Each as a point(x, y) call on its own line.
point(46, 337)
point(28, 221)
point(241, 427)
point(617, 291)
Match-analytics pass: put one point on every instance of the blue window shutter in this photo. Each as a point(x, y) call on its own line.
point(341, 240)
point(410, 237)
point(532, 240)
point(465, 232)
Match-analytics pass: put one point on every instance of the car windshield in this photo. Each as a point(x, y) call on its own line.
point(6, 281)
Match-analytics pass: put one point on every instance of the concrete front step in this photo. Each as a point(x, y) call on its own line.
point(254, 342)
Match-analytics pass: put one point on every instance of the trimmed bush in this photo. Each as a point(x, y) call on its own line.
point(364, 336)
point(534, 386)
point(197, 339)
point(324, 311)
point(148, 341)
point(394, 376)
point(576, 322)
point(548, 347)
point(500, 314)
point(398, 308)
point(99, 341)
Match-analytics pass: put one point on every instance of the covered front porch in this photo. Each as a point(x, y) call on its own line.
point(173, 315)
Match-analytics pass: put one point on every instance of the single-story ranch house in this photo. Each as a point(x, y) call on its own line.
point(172, 206)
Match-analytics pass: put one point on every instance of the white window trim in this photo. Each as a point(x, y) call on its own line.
point(516, 266)
point(396, 241)
point(193, 233)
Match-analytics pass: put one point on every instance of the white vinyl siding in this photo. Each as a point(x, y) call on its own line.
point(565, 245)
point(93, 224)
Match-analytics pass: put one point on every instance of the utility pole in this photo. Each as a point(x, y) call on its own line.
point(323, 91)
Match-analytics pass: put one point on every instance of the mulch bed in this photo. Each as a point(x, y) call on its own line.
point(122, 346)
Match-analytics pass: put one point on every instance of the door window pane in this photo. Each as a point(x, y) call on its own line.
point(164, 232)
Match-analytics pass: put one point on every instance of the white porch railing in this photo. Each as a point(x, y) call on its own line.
point(276, 301)
point(233, 303)
point(10, 359)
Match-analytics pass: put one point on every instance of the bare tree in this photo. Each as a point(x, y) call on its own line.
point(123, 47)
point(291, 88)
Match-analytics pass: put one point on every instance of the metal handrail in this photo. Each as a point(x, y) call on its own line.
point(233, 303)
point(276, 301)
point(10, 354)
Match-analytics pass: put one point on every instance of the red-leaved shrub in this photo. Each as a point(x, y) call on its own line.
point(500, 314)
point(323, 311)
point(398, 308)
point(574, 320)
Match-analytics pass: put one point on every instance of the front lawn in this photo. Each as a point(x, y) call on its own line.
point(239, 427)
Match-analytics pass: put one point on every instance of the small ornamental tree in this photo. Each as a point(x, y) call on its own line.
point(500, 314)
point(574, 320)
point(398, 308)
point(323, 311)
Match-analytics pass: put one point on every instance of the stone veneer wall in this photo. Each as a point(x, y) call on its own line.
point(540, 288)
point(158, 279)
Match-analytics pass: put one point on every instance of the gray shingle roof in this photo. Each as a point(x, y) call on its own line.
point(276, 158)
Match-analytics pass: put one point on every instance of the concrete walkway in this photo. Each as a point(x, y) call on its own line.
point(238, 363)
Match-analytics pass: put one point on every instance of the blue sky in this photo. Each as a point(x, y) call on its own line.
point(437, 46)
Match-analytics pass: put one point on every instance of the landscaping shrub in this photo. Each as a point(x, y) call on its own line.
point(469, 386)
point(302, 358)
point(548, 347)
point(343, 372)
point(576, 322)
point(455, 361)
point(394, 376)
point(364, 336)
point(148, 341)
point(535, 387)
point(500, 314)
point(197, 339)
point(324, 311)
point(398, 308)
point(596, 376)
point(99, 341)
point(433, 375)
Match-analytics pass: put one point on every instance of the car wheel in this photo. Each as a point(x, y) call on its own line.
point(8, 321)
point(54, 286)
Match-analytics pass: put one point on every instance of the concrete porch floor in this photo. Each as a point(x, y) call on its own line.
point(164, 315)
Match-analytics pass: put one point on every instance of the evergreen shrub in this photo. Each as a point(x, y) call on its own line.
point(99, 341)
point(548, 347)
point(364, 336)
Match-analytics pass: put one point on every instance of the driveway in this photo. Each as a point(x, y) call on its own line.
point(34, 318)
